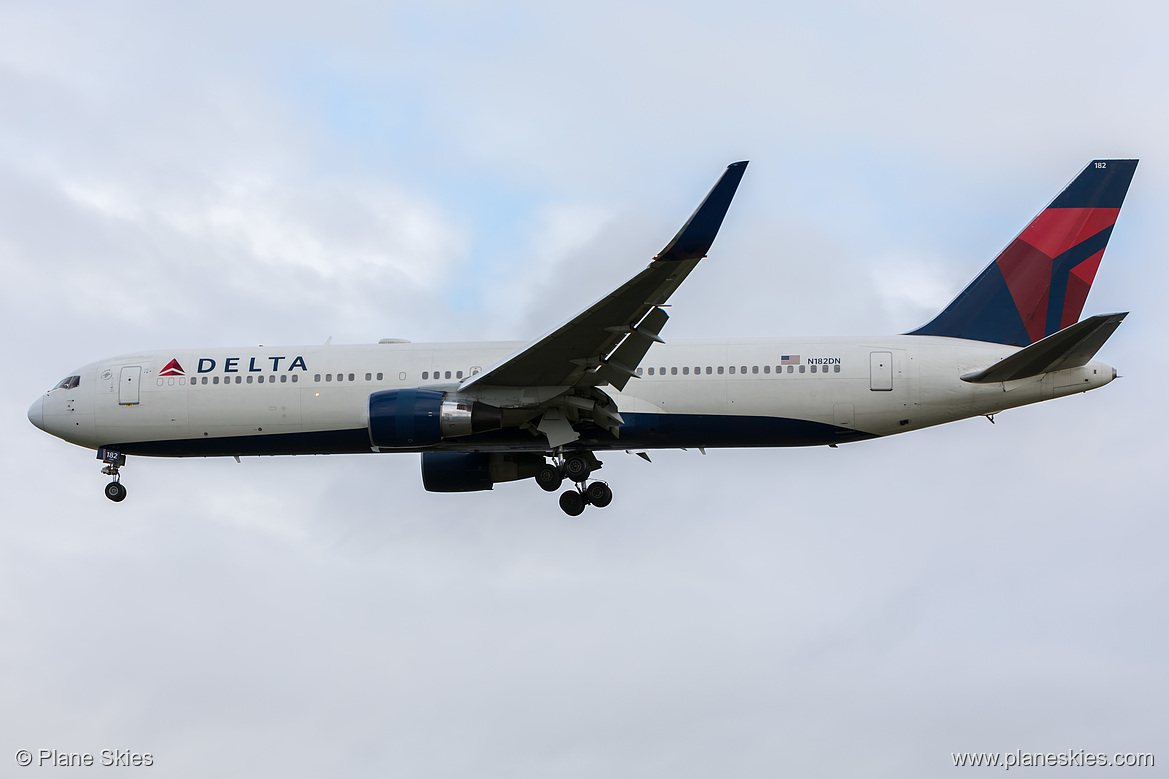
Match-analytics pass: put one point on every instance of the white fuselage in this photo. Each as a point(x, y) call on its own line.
point(760, 392)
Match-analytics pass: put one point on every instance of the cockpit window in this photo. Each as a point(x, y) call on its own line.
point(69, 383)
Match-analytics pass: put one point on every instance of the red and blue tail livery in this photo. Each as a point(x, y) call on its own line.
point(1038, 284)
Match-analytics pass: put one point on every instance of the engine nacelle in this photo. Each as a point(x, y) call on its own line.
point(474, 471)
point(421, 417)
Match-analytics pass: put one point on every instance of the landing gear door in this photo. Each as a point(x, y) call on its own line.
point(881, 371)
point(128, 385)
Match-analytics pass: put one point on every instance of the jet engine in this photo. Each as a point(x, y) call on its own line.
point(474, 471)
point(420, 417)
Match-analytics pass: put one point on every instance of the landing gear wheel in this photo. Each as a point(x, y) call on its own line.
point(549, 478)
point(115, 491)
point(572, 503)
point(577, 468)
point(599, 494)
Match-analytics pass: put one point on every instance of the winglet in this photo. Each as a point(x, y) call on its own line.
point(694, 239)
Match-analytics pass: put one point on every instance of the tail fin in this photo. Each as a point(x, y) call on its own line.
point(1038, 284)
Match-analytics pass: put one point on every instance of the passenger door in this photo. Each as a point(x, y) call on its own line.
point(128, 385)
point(881, 371)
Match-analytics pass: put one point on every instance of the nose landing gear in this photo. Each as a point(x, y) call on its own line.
point(115, 491)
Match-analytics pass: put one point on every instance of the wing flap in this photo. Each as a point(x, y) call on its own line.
point(620, 366)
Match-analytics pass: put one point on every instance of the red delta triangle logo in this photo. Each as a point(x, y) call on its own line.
point(172, 369)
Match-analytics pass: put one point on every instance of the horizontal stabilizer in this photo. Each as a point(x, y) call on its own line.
point(1071, 347)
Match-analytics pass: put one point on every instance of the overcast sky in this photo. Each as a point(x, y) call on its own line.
point(247, 172)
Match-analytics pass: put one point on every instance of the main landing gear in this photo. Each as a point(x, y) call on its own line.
point(577, 467)
point(114, 461)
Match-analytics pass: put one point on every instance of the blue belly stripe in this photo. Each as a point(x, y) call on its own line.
point(640, 431)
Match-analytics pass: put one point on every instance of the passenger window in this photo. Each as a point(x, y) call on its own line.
point(368, 376)
point(250, 379)
point(697, 370)
point(448, 374)
point(317, 377)
point(791, 368)
point(673, 371)
point(328, 377)
point(743, 369)
point(709, 370)
point(295, 378)
point(204, 380)
point(351, 377)
point(686, 370)
point(284, 378)
point(215, 380)
point(813, 369)
point(651, 371)
point(755, 369)
point(638, 371)
point(425, 375)
point(836, 369)
point(767, 369)
point(458, 374)
point(801, 369)
point(261, 378)
point(720, 370)
point(732, 370)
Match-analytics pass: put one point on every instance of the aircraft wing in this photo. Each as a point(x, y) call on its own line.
point(604, 343)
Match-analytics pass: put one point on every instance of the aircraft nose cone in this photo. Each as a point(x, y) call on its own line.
point(36, 413)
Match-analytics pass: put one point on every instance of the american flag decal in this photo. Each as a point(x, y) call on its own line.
point(789, 359)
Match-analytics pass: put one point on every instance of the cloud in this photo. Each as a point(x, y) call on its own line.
point(260, 173)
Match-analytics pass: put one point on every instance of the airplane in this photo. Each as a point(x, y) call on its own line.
point(604, 381)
